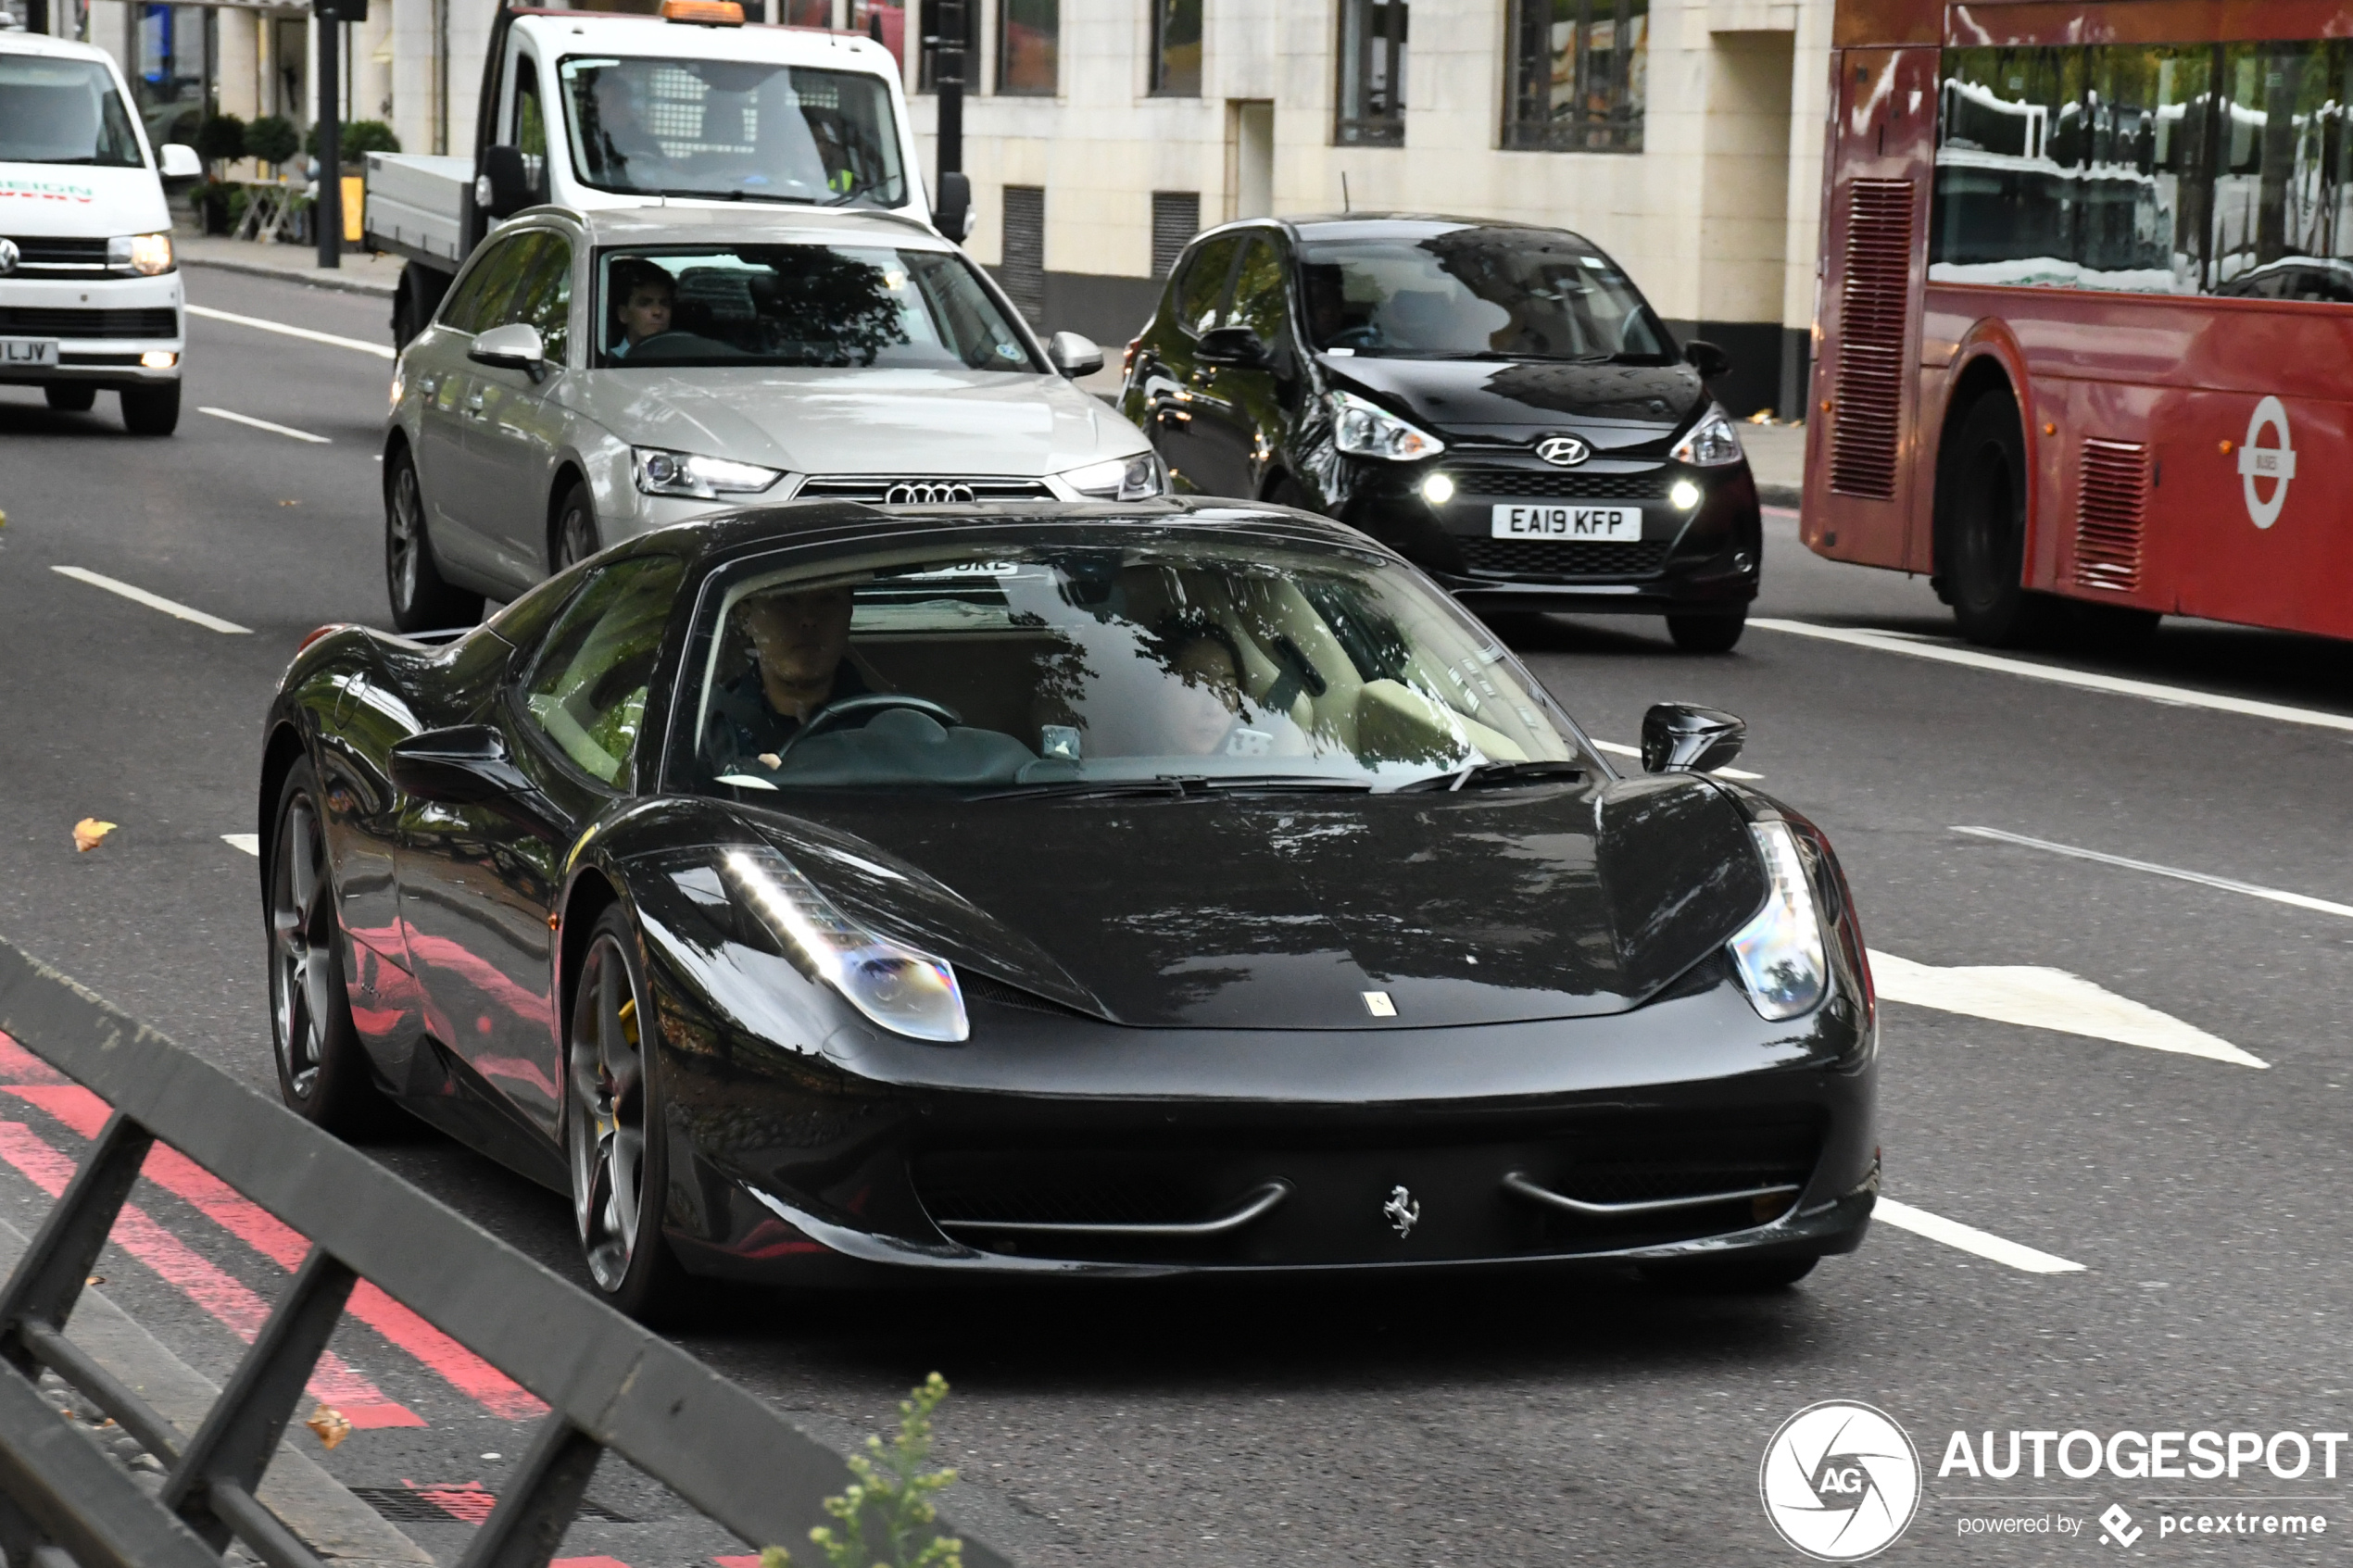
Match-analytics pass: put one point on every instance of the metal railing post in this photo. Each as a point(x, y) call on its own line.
point(537, 1504)
point(49, 1278)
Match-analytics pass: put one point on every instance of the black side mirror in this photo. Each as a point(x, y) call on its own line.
point(1238, 346)
point(1680, 738)
point(953, 215)
point(465, 766)
point(506, 186)
point(1706, 358)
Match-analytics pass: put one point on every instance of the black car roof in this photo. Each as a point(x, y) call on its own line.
point(1390, 225)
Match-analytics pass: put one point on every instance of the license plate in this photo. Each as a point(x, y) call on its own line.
point(27, 352)
point(1532, 521)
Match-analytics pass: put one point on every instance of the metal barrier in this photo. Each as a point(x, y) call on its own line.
point(608, 1383)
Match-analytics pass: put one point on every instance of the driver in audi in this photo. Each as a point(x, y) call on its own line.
point(799, 645)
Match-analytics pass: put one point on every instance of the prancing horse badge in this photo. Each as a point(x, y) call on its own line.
point(1402, 1211)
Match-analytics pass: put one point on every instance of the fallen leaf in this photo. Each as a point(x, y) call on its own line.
point(89, 833)
point(290, 503)
point(96, 1279)
point(329, 1423)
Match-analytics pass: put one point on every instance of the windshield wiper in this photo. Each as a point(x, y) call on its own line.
point(1262, 782)
point(1480, 775)
point(1175, 786)
point(1069, 788)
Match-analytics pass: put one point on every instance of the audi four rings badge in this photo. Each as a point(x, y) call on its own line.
point(927, 493)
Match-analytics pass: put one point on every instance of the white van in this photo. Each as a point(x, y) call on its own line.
point(89, 289)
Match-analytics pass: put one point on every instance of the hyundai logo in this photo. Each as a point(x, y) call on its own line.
point(1563, 451)
point(9, 257)
point(927, 493)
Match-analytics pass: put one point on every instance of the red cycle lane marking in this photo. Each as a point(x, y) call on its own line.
point(227, 1299)
point(84, 1112)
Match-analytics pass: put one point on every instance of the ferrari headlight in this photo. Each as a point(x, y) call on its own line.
point(683, 473)
point(1712, 443)
point(906, 992)
point(1366, 430)
point(1780, 953)
point(147, 254)
point(1139, 478)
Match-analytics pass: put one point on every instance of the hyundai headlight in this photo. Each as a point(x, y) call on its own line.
point(1139, 478)
point(1780, 953)
point(683, 473)
point(147, 254)
point(904, 991)
point(1366, 430)
point(1712, 443)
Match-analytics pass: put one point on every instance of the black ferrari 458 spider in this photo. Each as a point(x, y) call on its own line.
point(822, 891)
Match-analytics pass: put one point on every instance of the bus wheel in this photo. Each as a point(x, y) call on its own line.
point(1982, 528)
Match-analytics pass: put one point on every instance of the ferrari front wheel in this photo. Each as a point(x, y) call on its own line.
point(613, 1131)
point(323, 1072)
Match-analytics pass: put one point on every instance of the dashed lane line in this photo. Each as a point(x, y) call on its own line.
point(249, 841)
point(2253, 890)
point(2085, 680)
point(1617, 750)
point(233, 416)
point(153, 601)
point(1969, 1238)
point(378, 349)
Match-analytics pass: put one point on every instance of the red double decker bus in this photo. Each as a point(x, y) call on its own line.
point(2084, 341)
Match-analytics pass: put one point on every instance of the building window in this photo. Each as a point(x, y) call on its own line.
point(1023, 272)
point(1577, 75)
point(1176, 48)
point(1028, 46)
point(1372, 74)
point(809, 13)
point(1175, 219)
point(935, 26)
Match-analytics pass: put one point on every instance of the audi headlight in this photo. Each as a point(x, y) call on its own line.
point(683, 473)
point(1711, 443)
point(904, 991)
point(147, 254)
point(1366, 430)
point(1780, 953)
point(1139, 478)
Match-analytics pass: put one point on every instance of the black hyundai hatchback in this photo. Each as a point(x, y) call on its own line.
point(1496, 401)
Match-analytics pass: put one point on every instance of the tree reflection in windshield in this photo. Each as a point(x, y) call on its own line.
point(1529, 294)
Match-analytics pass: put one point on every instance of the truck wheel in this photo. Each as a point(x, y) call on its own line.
point(422, 602)
point(73, 397)
point(151, 410)
point(1981, 527)
point(414, 299)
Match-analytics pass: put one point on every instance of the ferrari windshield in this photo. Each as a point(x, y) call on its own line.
point(63, 111)
point(1203, 665)
point(738, 130)
point(1527, 293)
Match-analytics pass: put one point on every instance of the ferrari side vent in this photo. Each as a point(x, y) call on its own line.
point(1873, 304)
point(2111, 511)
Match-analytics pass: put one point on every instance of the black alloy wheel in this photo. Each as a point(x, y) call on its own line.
point(70, 397)
point(1707, 633)
point(1982, 528)
point(422, 602)
point(612, 1131)
point(575, 532)
point(323, 1072)
point(151, 410)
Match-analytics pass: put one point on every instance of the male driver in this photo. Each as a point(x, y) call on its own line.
point(800, 643)
point(644, 297)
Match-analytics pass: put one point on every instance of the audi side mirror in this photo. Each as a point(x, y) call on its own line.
point(175, 161)
point(505, 186)
point(465, 766)
point(1238, 346)
point(1074, 355)
point(1706, 358)
point(1680, 738)
point(952, 215)
point(515, 346)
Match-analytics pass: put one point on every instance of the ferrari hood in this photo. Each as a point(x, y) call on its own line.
point(1284, 912)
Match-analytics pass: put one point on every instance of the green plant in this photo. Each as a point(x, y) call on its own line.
point(272, 139)
point(888, 1504)
point(221, 139)
point(359, 138)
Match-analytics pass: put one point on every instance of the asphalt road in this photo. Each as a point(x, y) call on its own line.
point(1475, 1422)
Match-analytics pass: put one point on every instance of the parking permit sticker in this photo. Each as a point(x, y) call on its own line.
point(2263, 464)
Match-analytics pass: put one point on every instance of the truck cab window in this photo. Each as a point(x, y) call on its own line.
point(530, 129)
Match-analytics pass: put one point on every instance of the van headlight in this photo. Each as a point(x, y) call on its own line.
point(1780, 953)
point(683, 473)
point(1366, 430)
point(1139, 478)
point(906, 992)
point(1712, 443)
point(147, 254)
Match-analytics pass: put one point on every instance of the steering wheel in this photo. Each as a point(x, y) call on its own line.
point(842, 710)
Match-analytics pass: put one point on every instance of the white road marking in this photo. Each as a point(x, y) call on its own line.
point(2253, 890)
point(378, 349)
point(233, 415)
point(2150, 691)
point(1617, 750)
point(249, 841)
point(153, 601)
point(1969, 1238)
point(2046, 998)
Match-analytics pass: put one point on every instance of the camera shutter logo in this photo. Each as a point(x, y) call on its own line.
point(1841, 1481)
point(1563, 451)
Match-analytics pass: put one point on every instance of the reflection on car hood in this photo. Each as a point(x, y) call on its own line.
point(1280, 912)
point(1463, 396)
point(861, 421)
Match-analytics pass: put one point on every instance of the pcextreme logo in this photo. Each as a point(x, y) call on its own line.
point(1841, 1481)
